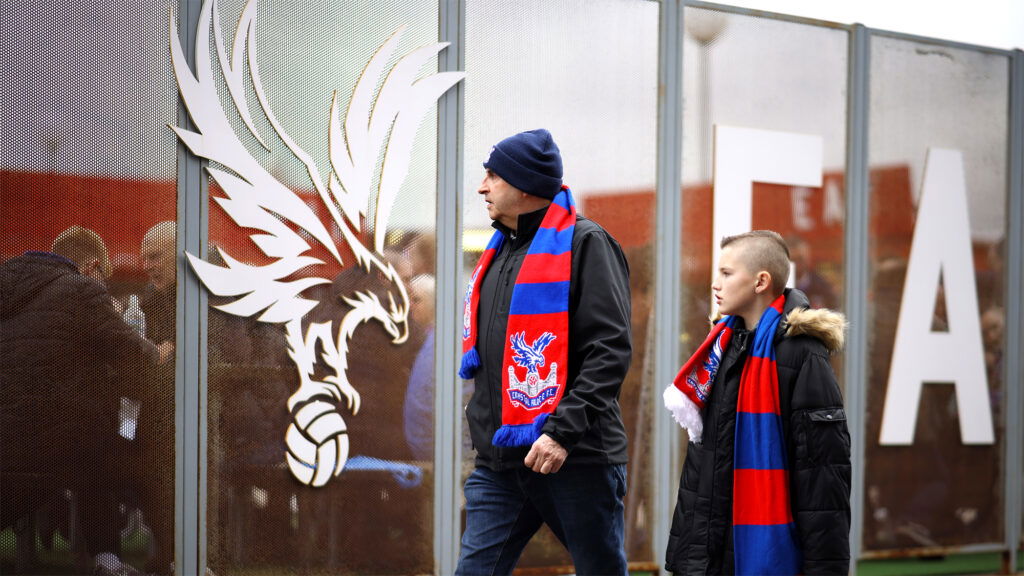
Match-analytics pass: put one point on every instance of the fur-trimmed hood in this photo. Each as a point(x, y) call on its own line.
point(821, 323)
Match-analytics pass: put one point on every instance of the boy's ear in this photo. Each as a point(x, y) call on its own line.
point(764, 282)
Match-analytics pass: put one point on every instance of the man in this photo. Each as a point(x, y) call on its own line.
point(154, 470)
point(418, 409)
point(766, 484)
point(546, 336)
point(813, 284)
point(64, 353)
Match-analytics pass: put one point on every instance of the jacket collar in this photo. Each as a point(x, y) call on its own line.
point(825, 325)
point(526, 228)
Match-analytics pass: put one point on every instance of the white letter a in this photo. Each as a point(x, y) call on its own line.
point(941, 249)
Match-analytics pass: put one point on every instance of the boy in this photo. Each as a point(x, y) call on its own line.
point(766, 484)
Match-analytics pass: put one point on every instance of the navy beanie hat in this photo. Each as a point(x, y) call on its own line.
point(529, 161)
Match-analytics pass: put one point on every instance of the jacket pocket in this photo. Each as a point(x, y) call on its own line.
point(821, 437)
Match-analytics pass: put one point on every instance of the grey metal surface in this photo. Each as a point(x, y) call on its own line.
point(190, 344)
point(765, 14)
point(856, 255)
point(448, 397)
point(668, 198)
point(1013, 375)
point(940, 42)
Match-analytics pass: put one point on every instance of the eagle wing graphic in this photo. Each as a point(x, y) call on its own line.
point(378, 122)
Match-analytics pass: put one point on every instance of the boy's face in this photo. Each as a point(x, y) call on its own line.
point(734, 283)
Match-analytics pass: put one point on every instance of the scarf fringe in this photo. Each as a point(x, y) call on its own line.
point(470, 363)
point(519, 434)
point(685, 412)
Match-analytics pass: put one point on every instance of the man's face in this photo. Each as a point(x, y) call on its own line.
point(800, 254)
point(158, 262)
point(734, 283)
point(504, 202)
point(421, 305)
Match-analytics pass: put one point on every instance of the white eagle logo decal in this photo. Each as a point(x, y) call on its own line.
point(378, 121)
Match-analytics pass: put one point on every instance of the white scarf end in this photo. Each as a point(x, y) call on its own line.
point(685, 412)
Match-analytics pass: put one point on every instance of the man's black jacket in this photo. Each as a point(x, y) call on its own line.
point(818, 451)
point(587, 422)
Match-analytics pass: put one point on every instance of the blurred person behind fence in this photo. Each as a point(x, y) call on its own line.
point(65, 350)
point(153, 468)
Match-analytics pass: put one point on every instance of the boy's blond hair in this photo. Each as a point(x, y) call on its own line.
point(763, 250)
point(81, 245)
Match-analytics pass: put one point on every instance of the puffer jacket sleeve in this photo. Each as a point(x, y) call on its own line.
point(600, 329)
point(820, 481)
point(111, 338)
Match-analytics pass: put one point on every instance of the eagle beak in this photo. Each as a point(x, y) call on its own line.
point(400, 338)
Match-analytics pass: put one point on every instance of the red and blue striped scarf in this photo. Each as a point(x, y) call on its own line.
point(538, 325)
point(764, 534)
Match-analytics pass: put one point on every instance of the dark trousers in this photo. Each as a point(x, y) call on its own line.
point(582, 504)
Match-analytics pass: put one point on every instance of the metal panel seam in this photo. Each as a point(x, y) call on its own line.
point(1014, 337)
point(856, 253)
point(667, 255)
point(448, 441)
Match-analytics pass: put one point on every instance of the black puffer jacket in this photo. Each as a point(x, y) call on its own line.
point(61, 344)
point(818, 451)
point(588, 421)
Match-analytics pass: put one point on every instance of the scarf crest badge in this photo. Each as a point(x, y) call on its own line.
point(700, 378)
point(532, 392)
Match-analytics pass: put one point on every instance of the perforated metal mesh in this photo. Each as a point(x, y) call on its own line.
point(939, 491)
point(376, 515)
point(784, 77)
point(86, 407)
point(586, 71)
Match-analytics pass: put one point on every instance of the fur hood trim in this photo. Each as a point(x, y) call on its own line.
point(821, 323)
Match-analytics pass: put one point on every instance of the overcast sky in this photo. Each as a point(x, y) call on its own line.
point(994, 23)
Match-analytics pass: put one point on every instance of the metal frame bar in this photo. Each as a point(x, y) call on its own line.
point(1014, 342)
point(765, 14)
point(448, 389)
point(933, 551)
point(668, 201)
point(940, 42)
point(190, 485)
point(856, 279)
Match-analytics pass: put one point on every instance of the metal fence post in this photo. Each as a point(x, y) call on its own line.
point(856, 254)
point(447, 401)
point(667, 265)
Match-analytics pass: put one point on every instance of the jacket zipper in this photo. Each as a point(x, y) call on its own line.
point(506, 256)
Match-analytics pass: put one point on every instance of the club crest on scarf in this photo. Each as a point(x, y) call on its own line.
point(531, 393)
point(467, 307)
point(701, 377)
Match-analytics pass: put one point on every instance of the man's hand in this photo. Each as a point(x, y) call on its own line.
point(166, 349)
point(546, 456)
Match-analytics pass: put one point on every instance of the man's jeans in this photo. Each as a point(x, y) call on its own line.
point(582, 504)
